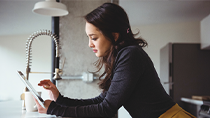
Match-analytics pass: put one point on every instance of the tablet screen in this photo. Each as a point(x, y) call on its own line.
point(31, 89)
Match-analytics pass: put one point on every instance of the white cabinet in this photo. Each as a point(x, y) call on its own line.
point(205, 33)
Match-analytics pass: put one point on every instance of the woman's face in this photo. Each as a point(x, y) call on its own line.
point(97, 41)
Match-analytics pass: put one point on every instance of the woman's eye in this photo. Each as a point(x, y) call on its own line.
point(94, 39)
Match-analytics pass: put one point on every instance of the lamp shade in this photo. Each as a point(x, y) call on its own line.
point(50, 8)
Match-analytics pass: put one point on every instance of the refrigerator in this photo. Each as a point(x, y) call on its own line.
point(185, 70)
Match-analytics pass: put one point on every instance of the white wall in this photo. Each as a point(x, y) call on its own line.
point(158, 36)
point(17, 24)
point(13, 58)
point(205, 28)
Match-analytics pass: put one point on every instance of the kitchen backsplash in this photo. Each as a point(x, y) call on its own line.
point(73, 39)
point(78, 89)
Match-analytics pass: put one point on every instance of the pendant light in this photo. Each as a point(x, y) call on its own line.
point(50, 8)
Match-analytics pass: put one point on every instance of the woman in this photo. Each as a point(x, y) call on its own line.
point(130, 79)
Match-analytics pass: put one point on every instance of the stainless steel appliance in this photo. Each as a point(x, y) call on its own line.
point(205, 109)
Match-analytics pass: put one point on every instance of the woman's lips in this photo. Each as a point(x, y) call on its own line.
point(94, 50)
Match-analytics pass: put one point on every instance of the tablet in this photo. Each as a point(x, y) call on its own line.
point(31, 89)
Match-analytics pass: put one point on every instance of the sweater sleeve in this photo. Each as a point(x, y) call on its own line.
point(127, 71)
point(64, 101)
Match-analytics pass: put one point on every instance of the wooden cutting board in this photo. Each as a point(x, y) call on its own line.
point(200, 97)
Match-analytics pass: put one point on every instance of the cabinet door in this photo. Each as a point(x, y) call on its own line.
point(191, 71)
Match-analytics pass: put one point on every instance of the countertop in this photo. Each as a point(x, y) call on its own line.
point(192, 101)
point(13, 109)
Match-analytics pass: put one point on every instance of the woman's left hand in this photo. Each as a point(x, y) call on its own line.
point(40, 108)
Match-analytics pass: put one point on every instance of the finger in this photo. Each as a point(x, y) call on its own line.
point(37, 103)
point(51, 84)
point(44, 82)
point(47, 86)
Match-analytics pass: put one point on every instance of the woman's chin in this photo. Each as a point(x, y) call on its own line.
point(98, 55)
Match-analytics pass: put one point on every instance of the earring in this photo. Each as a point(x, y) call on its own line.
point(128, 31)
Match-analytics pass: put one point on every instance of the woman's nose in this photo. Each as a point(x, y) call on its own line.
point(91, 44)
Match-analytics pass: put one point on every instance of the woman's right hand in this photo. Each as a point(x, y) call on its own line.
point(52, 89)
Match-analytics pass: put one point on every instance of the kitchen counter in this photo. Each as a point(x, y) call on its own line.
point(192, 101)
point(13, 109)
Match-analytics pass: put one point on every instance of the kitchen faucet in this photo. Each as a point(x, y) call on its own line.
point(29, 53)
point(29, 56)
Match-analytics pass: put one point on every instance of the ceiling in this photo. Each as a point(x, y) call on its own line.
point(17, 17)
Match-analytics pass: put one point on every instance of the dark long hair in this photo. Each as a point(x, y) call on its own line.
point(111, 18)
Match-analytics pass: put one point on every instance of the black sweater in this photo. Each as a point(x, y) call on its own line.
point(135, 85)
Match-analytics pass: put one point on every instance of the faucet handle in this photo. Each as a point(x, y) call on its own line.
point(58, 71)
point(57, 76)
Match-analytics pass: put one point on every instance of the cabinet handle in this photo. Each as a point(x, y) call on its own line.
point(168, 83)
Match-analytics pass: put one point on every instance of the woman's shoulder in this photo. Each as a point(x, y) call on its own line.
point(132, 52)
point(133, 49)
point(131, 55)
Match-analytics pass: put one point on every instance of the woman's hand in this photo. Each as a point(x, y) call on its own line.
point(52, 89)
point(40, 108)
